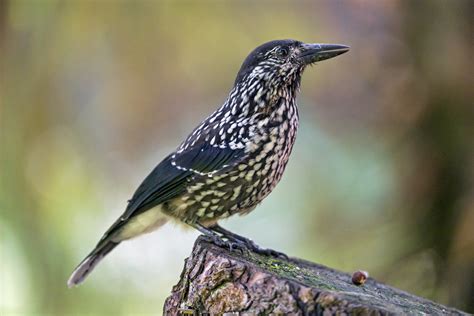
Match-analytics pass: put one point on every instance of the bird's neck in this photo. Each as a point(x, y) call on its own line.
point(259, 97)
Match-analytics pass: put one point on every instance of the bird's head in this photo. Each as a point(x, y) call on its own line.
point(281, 62)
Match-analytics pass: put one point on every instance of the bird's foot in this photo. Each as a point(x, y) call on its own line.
point(232, 241)
point(249, 244)
point(217, 239)
point(225, 243)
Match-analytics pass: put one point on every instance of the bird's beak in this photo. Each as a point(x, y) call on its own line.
point(312, 53)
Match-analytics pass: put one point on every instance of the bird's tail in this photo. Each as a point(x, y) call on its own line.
point(88, 264)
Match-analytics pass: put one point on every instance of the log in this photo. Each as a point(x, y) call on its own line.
point(217, 281)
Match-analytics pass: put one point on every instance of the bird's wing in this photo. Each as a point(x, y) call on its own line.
point(169, 178)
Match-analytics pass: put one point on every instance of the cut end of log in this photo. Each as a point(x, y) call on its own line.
point(218, 281)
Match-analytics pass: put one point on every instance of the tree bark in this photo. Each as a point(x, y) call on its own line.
point(216, 281)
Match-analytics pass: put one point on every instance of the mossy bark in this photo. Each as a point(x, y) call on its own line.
point(216, 281)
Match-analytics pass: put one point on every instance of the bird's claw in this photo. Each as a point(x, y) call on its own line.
point(272, 253)
point(231, 245)
point(250, 245)
point(265, 251)
point(234, 242)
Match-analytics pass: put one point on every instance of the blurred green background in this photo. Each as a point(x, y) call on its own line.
point(94, 93)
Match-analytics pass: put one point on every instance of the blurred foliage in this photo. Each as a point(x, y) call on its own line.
point(94, 93)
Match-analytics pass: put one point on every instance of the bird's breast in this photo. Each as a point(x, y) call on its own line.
point(268, 144)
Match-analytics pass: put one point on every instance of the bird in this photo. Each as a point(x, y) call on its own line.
point(230, 162)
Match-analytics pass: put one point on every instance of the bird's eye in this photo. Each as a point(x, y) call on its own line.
point(282, 52)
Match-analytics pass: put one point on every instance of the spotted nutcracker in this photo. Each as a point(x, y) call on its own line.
point(231, 161)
